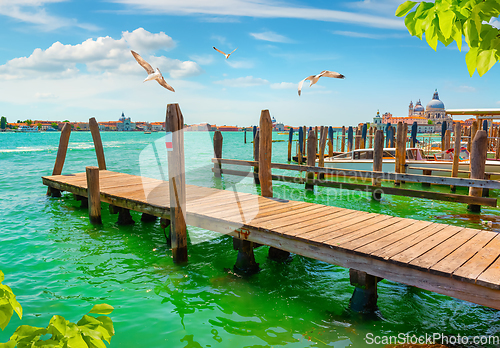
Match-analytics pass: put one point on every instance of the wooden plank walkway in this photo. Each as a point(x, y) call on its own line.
point(459, 262)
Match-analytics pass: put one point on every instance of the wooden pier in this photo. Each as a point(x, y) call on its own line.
point(459, 262)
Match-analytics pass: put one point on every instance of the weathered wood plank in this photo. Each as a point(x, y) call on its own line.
point(479, 262)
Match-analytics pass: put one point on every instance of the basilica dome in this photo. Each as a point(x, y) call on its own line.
point(435, 103)
point(419, 107)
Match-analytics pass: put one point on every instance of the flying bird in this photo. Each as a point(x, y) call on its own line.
point(315, 78)
point(152, 74)
point(225, 55)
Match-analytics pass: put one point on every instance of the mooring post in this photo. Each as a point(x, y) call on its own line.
point(124, 217)
point(477, 165)
point(473, 131)
point(364, 298)
point(99, 150)
point(322, 145)
point(93, 194)
point(363, 136)
point(342, 144)
point(311, 159)
point(300, 145)
point(399, 150)
point(245, 136)
point(349, 139)
point(370, 138)
point(174, 124)
point(330, 141)
point(290, 140)
point(256, 147)
point(217, 153)
point(304, 140)
point(378, 149)
point(357, 138)
point(456, 154)
point(265, 152)
point(497, 150)
point(61, 156)
point(148, 217)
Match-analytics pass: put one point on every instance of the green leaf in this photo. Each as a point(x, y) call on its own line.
point(6, 312)
point(422, 9)
point(457, 35)
point(77, 342)
point(101, 309)
point(2, 277)
point(410, 24)
point(431, 36)
point(10, 344)
point(446, 20)
point(107, 323)
point(471, 34)
point(471, 60)
point(485, 61)
point(58, 323)
point(404, 8)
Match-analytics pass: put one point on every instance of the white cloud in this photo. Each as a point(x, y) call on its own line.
point(205, 59)
point(101, 55)
point(495, 22)
point(260, 9)
point(240, 64)
point(466, 89)
point(368, 35)
point(271, 36)
point(283, 85)
point(41, 95)
point(248, 81)
point(33, 12)
point(220, 39)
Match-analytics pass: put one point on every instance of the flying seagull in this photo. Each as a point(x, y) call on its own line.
point(225, 55)
point(152, 74)
point(315, 78)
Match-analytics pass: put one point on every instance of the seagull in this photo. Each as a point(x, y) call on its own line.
point(152, 74)
point(315, 78)
point(225, 55)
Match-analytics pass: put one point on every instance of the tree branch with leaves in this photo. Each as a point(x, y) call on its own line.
point(452, 20)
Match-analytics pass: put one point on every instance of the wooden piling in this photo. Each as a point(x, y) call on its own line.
point(330, 141)
point(362, 142)
point(447, 143)
point(477, 165)
point(456, 154)
point(473, 131)
point(357, 138)
point(378, 154)
point(60, 158)
point(399, 150)
point(497, 150)
point(304, 140)
point(364, 297)
point(93, 195)
point(245, 137)
point(311, 158)
point(322, 145)
point(290, 140)
point(99, 150)
point(370, 138)
point(174, 123)
point(342, 144)
point(265, 153)
point(217, 152)
point(256, 145)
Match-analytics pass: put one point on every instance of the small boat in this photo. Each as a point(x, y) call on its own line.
point(147, 132)
point(27, 129)
point(362, 159)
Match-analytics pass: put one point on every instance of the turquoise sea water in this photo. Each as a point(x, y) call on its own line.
point(56, 262)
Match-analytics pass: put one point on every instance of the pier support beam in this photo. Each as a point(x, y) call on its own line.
point(217, 153)
point(245, 262)
point(378, 148)
point(177, 183)
point(96, 137)
point(164, 223)
point(84, 202)
point(124, 217)
point(148, 218)
point(477, 165)
point(94, 195)
point(311, 158)
point(364, 298)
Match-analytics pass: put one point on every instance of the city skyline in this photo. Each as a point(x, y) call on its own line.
point(71, 60)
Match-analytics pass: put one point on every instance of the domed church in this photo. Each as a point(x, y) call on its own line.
point(434, 111)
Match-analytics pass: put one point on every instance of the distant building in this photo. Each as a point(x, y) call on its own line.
point(125, 124)
point(157, 126)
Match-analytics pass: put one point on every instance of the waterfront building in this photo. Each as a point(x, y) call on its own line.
point(125, 124)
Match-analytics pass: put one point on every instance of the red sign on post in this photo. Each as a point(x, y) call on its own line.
point(168, 141)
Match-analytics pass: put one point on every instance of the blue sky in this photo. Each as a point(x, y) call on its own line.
point(71, 60)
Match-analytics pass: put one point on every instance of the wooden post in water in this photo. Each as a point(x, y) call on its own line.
point(316, 132)
point(217, 153)
point(330, 141)
point(290, 140)
point(447, 143)
point(311, 158)
point(357, 138)
point(393, 136)
point(256, 146)
point(304, 146)
point(456, 154)
point(93, 195)
point(370, 138)
point(245, 137)
point(342, 144)
point(96, 136)
point(473, 131)
point(322, 145)
point(364, 297)
point(497, 150)
point(362, 143)
point(477, 165)
point(265, 151)
point(399, 150)
point(378, 154)
point(61, 157)
point(174, 124)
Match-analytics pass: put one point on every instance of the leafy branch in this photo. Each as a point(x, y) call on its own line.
point(453, 20)
point(89, 332)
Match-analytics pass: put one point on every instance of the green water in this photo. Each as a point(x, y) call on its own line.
point(57, 263)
